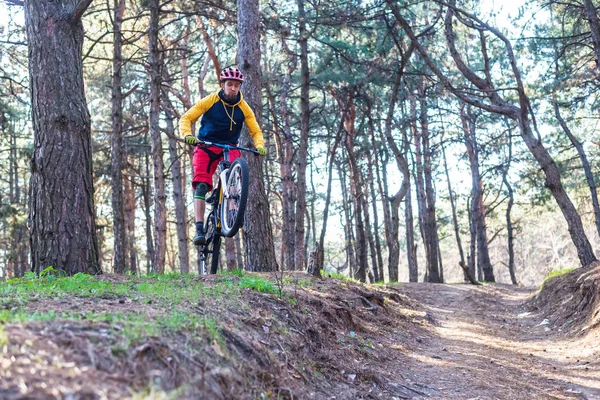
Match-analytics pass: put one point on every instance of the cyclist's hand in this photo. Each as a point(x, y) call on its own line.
point(191, 140)
point(261, 150)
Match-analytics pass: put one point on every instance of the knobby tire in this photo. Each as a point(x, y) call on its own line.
point(234, 207)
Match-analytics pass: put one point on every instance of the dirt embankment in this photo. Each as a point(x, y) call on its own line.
point(330, 339)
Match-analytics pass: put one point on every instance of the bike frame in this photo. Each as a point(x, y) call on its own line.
point(221, 188)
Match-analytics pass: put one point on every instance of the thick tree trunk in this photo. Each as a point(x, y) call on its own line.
point(119, 233)
point(62, 218)
point(181, 220)
point(258, 234)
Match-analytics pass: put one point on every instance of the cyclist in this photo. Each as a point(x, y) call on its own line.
point(223, 114)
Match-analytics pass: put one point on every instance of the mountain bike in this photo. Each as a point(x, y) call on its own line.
point(228, 202)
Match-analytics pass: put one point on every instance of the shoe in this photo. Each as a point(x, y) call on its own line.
point(200, 237)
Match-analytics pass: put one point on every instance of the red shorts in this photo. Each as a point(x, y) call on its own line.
point(206, 161)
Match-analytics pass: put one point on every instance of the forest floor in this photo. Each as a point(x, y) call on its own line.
point(236, 337)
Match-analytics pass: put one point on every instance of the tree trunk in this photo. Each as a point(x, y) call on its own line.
point(230, 254)
point(181, 220)
point(258, 234)
point(396, 200)
point(467, 274)
point(589, 175)
point(346, 102)
point(426, 209)
point(160, 196)
point(320, 254)
point(147, 196)
point(129, 212)
point(302, 154)
point(347, 218)
point(411, 247)
point(432, 239)
point(286, 161)
point(239, 250)
point(478, 208)
point(378, 265)
point(62, 219)
point(371, 232)
point(120, 236)
point(592, 17)
point(509, 226)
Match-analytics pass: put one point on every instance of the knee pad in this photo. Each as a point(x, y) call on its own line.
point(201, 190)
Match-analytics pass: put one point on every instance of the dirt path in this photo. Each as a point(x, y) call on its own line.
point(485, 345)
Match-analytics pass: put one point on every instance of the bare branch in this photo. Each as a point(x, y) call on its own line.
point(80, 9)
point(18, 3)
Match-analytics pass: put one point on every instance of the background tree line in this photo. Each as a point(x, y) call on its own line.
point(416, 141)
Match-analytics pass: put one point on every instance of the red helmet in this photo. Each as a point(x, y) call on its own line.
point(231, 73)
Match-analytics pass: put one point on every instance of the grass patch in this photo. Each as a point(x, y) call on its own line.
point(257, 283)
point(556, 273)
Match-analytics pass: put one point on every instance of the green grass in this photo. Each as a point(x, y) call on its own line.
point(259, 284)
point(339, 276)
point(164, 292)
point(554, 274)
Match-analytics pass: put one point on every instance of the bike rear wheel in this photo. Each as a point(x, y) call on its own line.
point(209, 257)
point(235, 198)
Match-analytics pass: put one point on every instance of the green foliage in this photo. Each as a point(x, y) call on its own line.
point(259, 284)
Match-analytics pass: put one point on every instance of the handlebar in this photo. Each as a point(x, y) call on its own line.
point(227, 147)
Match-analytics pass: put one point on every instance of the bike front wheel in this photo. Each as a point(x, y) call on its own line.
point(235, 198)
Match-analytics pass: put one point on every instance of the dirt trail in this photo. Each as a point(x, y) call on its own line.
point(483, 344)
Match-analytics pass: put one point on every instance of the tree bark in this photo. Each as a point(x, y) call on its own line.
point(181, 220)
point(160, 196)
point(320, 254)
point(302, 153)
point(467, 274)
point(509, 225)
point(129, 212)
point(230, 254)
point(345, 99)
point(147, 196)
point(592, 16)
point(258, 234)
point(117, 200)
point(347, 218)
point(62, 217)
point(478, 208)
